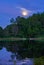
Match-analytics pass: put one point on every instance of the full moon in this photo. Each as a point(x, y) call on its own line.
point(24, 13)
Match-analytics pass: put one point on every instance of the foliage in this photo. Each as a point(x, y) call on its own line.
point(1, 32)
point(32, 26)
point(39, 61)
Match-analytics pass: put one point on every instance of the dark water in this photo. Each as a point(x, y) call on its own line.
point(5, 59)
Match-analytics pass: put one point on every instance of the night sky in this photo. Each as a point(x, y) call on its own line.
point(13, 8)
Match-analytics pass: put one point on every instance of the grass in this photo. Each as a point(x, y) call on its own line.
point(39, 61)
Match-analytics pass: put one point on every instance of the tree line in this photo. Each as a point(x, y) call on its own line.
point(33, 26)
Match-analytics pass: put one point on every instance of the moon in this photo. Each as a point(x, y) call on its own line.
point(24, 13)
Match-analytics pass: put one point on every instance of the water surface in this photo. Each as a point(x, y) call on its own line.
point(5, 59)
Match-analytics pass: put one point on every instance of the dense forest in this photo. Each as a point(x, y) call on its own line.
point(21, 27)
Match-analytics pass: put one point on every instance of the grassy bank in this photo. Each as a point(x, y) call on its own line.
point(39, 61)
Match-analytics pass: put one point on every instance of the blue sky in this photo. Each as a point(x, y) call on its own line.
point(13, 8)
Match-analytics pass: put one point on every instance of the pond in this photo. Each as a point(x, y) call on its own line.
point(6, 59)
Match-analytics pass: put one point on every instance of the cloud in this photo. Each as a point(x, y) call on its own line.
point(13, 10)
point(24, 9)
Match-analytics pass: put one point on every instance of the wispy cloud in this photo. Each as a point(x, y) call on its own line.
point(24, 9)
point(30, 12)
point(13, 11)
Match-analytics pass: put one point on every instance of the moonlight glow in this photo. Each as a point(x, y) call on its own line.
point(24, 13)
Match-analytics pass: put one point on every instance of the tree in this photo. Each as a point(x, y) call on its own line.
point(26, 28)
point(1, 32)
point(12, 20)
